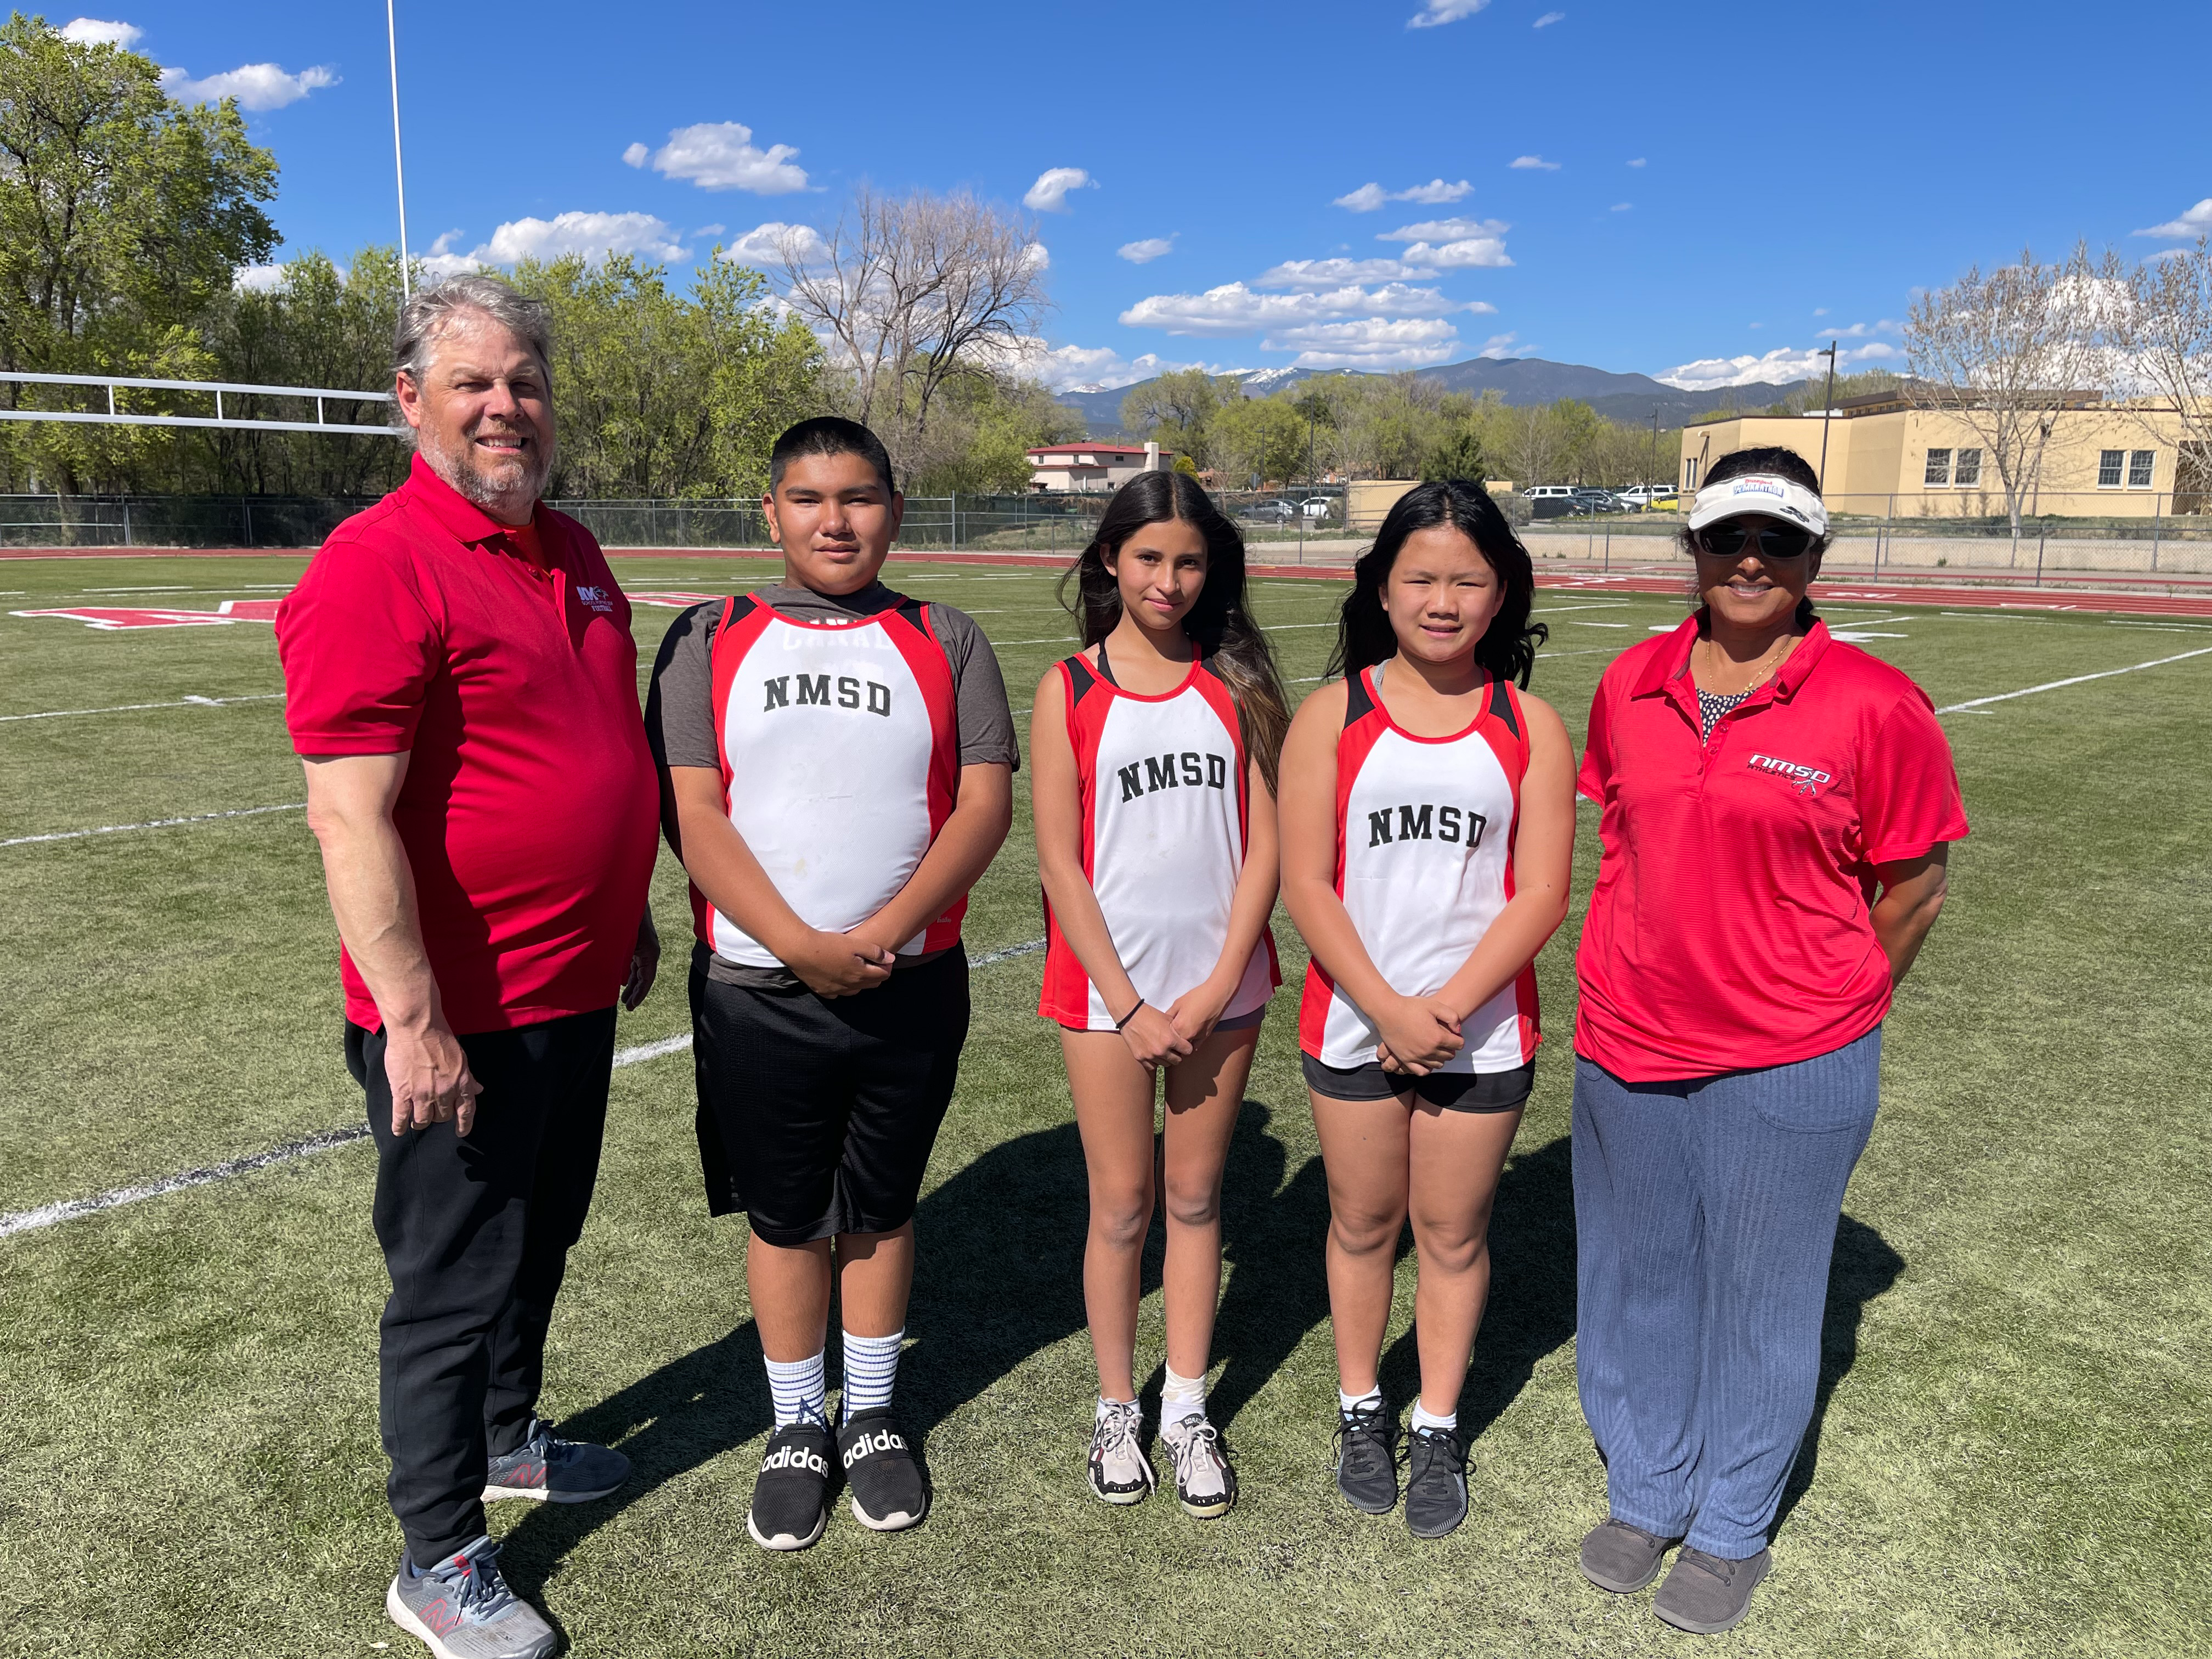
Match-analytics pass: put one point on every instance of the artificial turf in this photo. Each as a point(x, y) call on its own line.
point(2009, 1453)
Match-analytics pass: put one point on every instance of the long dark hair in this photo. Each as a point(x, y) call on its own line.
point(1507, 650)
point(1229, 642)
point(1781, 464)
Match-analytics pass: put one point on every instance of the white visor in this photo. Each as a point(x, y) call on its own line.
point(1759, 492)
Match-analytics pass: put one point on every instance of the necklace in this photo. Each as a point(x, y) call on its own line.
point(1765, 666)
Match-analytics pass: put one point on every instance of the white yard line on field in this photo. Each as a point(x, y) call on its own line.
point(25, 1221)
point(2078, 679)
point(133, 707)
point(1609, 604)
point(153, 823)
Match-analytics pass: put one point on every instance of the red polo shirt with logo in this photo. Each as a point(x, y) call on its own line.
point(502, 663)
point(1730, 927)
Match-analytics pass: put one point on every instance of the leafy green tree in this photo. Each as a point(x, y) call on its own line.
point(123, 215)
point(1178, 410)
point(985, 427)
point(1261, 438)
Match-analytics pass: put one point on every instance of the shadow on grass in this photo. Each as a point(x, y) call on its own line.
point(1864, 1267)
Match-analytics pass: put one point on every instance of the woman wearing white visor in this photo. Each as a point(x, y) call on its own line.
point(1776, 810)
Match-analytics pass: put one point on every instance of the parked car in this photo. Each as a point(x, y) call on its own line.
point(1550, 500)
point(1663, 497)
point(1592, 501)
point(1274, 512)
point(1316, 507)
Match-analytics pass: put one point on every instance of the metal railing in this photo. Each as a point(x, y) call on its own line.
point(112, 417)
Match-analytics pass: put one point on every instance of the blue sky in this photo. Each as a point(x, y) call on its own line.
point(1370, 184)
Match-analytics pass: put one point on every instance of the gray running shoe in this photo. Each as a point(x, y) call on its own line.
point(551, 1471)
point(1436, 1482)
point(1120, 1471)
point(1706, 1593)
point(463, 1609)
point(1204, 1484)
point(1622, 1559)
point(1366, 1461)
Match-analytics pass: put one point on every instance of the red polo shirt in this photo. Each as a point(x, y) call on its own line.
point(529, 808)
point(1729, 928)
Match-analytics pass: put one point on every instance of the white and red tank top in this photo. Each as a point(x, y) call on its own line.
point(840, 752)
point(1425, 829)
point(1162, 781)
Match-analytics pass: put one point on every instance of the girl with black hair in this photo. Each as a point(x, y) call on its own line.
point(1428, 827)
point(1155, 752)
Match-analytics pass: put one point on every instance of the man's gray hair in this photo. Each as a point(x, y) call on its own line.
point(431, 311)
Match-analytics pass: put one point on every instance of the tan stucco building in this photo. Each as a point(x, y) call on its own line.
point(1888, 459)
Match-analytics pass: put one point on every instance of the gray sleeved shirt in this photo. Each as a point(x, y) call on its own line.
point(679, 714)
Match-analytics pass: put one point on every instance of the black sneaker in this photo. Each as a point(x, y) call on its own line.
point(1366, 1461)
point(790, 1498)
point(1436, 1482)
point(1706, 1593)
point(880, 1474)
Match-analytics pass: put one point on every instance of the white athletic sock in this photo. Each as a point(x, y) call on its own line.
point(1103, 1402)
point(800, 1391)
point(871, 1368)
point(1182, 1395)
point(1424, 1418)
point(1348, 1403)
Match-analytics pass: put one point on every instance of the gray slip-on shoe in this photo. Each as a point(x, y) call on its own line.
point(1622, 1559)
point(1706, 1593)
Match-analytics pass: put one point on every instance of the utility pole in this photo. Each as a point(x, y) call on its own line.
point(399, 164)
point(1654, 450)
point(1827, 411)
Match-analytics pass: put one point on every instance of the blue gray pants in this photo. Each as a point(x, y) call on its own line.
point(1705, 1215)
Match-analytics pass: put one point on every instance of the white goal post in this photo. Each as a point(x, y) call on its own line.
point(112, 417)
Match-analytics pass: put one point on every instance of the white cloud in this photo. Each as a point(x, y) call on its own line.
point(1038, 254)
point(2194, 222)
point(1533, 164)
point(1778, 366)
point(710, 230)
point(1458, 255)
point(764, 246)
point(1371, 343)
point(1443, 230)
point(2166, 253)
point(92, 32)
point(594, 235)
point(1623, 207)
point(1322, 274)
point(1434, 14)
point(722, 155)
point(1151, 248)
point(1819, 311)
point(1637, 162)
point(1049, 193)
point(262, 278)
point(1500, 346)
point(1548, 19)
point(1101, 368)
point(1434, 193)
point(256, 85)
point(1234, 308)
point(1863, 331)
point(441, 261)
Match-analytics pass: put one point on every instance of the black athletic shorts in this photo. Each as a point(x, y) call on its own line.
point(1455, 1092)
point(816, 1118)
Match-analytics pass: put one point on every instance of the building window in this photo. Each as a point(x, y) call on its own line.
point(2139, 466)
point(2108, 468)
point(1690, 473)
point(1969, 471)
point(1939, 467)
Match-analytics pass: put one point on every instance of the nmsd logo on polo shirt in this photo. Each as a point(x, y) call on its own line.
point(597, 598)
point(1806, 780)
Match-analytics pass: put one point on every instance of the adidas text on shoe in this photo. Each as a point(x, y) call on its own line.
point(1706, 1593)
point(1622, 1559)
point(884, 1483)
point(1366, 1464)
point(791, 1496)
point(1436, 1482)
point(551, 1471)
point(463, 1609)
point(1120, 1471)
point(1205, 1485)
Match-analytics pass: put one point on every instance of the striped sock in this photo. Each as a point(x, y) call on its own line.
point(871, 1368)
point(800, 1390)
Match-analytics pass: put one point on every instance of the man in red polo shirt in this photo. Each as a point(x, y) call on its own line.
point(462, 685)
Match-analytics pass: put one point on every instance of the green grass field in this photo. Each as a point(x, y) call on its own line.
point(2009, 1456)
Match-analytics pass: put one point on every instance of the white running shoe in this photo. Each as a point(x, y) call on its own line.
point(1205, 1485)
point(1120, 1471)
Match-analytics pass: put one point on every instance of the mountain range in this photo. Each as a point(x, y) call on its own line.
point(1519, 381)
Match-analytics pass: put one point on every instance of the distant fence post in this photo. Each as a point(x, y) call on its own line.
point(2157, 526)
point(2039, 560)
point(126, 521)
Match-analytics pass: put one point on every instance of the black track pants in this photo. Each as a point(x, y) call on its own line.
point(475, 1236)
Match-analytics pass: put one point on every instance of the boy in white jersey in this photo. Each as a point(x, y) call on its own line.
point(835, 764)
point(1428, 826)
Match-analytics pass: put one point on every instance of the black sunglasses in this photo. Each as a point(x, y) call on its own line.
point(1726, 541)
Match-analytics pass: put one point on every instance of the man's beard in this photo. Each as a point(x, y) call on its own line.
point(505, 486)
